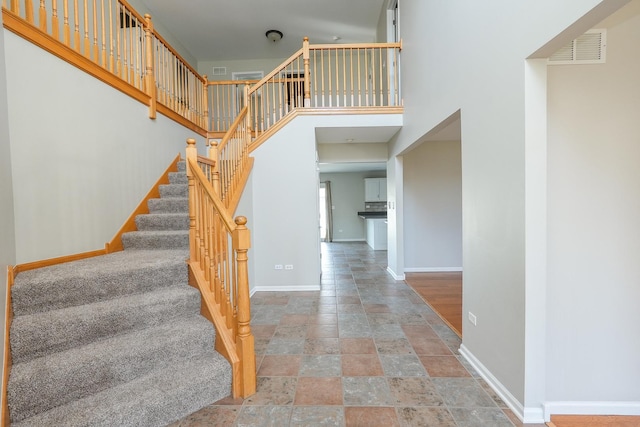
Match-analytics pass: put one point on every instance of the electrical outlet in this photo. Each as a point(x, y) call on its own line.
point(288, 267)
point(472, 318)
point(278, 267)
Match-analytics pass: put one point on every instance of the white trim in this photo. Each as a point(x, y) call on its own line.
point(590, 408)
point(526, 415)
point(431, 269)
point(286, 288)
point(395, 276)
point(346, 240)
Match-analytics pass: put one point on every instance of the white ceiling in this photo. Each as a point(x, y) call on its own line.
point(226, 30)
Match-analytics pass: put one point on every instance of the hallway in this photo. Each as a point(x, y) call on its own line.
point(363, 351)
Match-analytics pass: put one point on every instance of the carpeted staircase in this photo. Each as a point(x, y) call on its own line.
point(116, 340)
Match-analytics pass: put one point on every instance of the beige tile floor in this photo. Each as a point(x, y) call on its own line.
point(363, 351)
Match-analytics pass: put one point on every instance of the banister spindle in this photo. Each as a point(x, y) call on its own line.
point(15, 6)
point(42, 15)
point(76, 27)
point(28, 10)
point(55, 24)
point(67, 29)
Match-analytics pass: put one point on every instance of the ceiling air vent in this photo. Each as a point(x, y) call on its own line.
point(219, 71)
point(589, 48)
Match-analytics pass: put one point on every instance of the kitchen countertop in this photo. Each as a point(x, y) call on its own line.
point(372, 215)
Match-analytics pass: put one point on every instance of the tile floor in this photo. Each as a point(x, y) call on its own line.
point(363, 351)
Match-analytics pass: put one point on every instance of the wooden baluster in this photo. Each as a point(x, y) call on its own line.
point(28, 11)
point(15, 6)
point(96, 56)
point(307, 72)
point(67, 29)
point(55, 23)
point(344, 77)
point(359, 80)
point(215, 173)
point(76, 27)
point(42, 15)
point(351, 77)
point(191, 155)
point(111, 50)
point(149, 75)
point(381, 77)
point(245, 341)
point(104, 37)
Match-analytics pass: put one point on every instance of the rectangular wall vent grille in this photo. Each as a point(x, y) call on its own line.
point(589, 48)
point(219, 71)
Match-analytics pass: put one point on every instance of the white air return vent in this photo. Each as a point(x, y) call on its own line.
point(219, 71)
point(589, 48)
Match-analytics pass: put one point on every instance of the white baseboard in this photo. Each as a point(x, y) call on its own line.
point(432, 269)
point(526, 415)
point(347, 240)
point(590, 408)
point(395, 276)
point(285, 288)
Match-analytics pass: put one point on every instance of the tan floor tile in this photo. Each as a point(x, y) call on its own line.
point(322, 331)
point(370, 417)
point(430, 347)
point(444, 366)
point(361, 365)
point(314, 391)
point(279, 366)
point(294, 319)
point(357, 346)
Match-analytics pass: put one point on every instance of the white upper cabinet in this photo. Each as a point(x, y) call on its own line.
point(375, 190)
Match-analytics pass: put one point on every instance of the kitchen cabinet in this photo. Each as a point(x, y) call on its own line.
point(375, 189)
point(377, 233)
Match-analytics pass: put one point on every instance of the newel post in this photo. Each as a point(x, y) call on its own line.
point(241, 240)
point(215, 170)
point(307, 72)
point(149, 77)
point(192, 155)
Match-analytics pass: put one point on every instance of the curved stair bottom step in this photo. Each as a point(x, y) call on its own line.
point(157, 399)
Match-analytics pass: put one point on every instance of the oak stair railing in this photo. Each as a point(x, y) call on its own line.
point(110, 40)
point(218, 264)
point(317, 79)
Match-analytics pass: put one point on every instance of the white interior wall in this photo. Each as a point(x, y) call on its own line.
point(475, 63)
point(433, 207)
point(264, 65)
point(83, 154)
point(352, 152)
point(594, 232)
point(285, 201)
point(7, 223)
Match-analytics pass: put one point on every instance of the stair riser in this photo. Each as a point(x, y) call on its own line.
point(178, 178)
point(43, 384)
point(168, 205)
point(162, 222)
point(46, 333)
point(174, 190)
point(142, 241)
